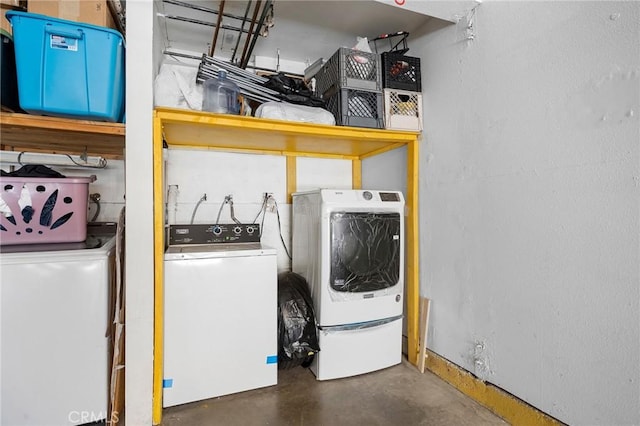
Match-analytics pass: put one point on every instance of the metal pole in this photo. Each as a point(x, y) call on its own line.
point(197, 21)
point(184, 55)
point(244, 21)
point(203, 9)
point(265, 10)
point(215, 33)
point(253, 21)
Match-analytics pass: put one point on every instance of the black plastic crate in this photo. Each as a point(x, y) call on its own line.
point(356, 108)
point(401, 72)
point(350, 69)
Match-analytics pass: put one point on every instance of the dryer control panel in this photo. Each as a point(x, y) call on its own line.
point(389, 196)
point(225, 233)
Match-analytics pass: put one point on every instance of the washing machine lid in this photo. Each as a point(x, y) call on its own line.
point(94, 248)
point(210, 251)
point(101, 239)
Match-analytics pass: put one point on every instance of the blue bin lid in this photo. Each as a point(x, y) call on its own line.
point(28, 15)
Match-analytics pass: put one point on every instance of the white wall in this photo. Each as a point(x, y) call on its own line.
point(246, 177)
point(139, 272)
point(109, 184)
point(449, 10)
point(530, 180)
point(386, 171)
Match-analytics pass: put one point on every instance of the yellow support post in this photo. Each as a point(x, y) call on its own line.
point(356, 174)
point(412, 257)
point(292, 177)
point(158, 223)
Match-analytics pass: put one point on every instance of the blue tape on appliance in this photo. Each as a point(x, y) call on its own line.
point(272, 359)
point(167, 383)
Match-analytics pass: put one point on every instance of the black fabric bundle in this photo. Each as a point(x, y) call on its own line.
point(33, 170)
point(297, 333)
point(293, 90)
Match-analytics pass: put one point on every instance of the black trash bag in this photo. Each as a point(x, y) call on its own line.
point(33, 170)
point(293, 90)
point(297, 335)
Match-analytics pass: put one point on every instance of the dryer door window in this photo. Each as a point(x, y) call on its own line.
point(365, 251)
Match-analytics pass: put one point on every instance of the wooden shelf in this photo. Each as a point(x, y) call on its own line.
point(24, 132)
point(190, 129)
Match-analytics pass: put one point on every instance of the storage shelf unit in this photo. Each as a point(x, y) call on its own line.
point(24, 132)
point(198, 130)
point(257, 135)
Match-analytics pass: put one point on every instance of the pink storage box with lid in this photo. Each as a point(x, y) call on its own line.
point(43, 210)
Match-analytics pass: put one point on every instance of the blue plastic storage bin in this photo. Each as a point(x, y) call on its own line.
point(68, 69)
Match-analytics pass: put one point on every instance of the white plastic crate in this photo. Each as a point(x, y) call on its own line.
point(402, 110)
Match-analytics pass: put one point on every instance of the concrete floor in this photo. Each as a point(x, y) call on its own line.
point(398, 395)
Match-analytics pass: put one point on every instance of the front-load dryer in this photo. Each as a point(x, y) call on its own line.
point(349, 245)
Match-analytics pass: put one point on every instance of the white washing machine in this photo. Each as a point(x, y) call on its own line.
point(349, 245)
point(55, 343)
point(220, 320)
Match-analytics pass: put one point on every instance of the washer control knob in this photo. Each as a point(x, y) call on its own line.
point(367, 195)
point(237, 230)
point(217, 230)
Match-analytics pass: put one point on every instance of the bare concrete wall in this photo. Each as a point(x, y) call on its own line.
point(529, 194)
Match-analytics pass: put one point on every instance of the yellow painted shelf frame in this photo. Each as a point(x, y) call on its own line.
point(190, 129)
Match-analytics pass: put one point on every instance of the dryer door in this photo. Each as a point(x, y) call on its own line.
point(365, 251)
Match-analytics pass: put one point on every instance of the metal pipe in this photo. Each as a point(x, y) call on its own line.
point(96, 199)
point(195, 209)
point(265, 10)
point(253, 22)
point(208, 60)
point(172, 204)
point(184, 55)
point(215, 33)
point(244, 21)
point(203, 9)
point(62, 160)
point(199, 22)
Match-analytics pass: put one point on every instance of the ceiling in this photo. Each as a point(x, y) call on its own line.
point(303, 30)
